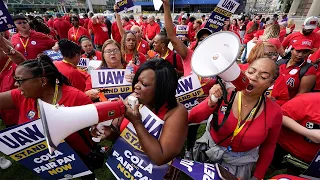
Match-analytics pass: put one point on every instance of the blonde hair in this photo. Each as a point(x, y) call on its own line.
point(290, 22)
point(199, 21)
point(272, 31)
point(258, 51)
point(134, 27)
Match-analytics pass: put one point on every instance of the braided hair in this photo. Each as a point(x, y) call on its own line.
point(272, 31)
point(44, 67)
point(135, 57)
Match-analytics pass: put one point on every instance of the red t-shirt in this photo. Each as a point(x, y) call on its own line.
point(115, 32)
point(37, 43)
point(74, 34)
point(100, 32)
point(76, 76)
point(10, 116)
point(179, 63)
point(70, 97)
point(143, 28)
point(289, 40)
point(81, 22)
point(62, 26)
point(234, 28)
point(263, 131)
point(133, 22)
point(303, 109)
point(259, 33)
point(248, 37)
point(282, 34)
point(143, 46)
point(152, 30)
point(89, 25)
point(50, 23)
point(187, 70)
point(97, 56)
point(142, 58)
point(291, 76)
point(314, 57)
point(85, 24)
point(192, 45)
point(317, 30)
point(127, 27)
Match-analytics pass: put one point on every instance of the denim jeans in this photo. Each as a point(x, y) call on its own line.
point(244, 54)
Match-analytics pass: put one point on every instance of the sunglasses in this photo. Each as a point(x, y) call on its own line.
point(21, 81)
point(271, 54)
point(21, 22)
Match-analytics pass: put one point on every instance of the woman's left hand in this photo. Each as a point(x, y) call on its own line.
point(133, 115)
point(129, 77)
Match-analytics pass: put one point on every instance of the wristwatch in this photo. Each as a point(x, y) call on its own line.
point(12, 51)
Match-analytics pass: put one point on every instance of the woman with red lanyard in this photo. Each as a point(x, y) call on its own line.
point(129, 44)
point(253, 123)
point(300, 134)
point(71, 53)
point(111, 59)
point(155, 86)
point(143, 46)
point(278, 91)
point(76, 31)
point(248, 37)
point(89, 51)
point(300, 76)
point(40, 79)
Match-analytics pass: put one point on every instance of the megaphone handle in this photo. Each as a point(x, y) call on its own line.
point(224, 90)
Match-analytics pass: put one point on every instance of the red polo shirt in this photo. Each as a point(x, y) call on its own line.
point(62, 27)
point(97, 56)
point(282, 34)
point(152, 30)
point(76, 76)
point(303, 109)
point(291, 77)
point(37, 43)
point(115, 32)
point(314, 57)
point(143, 46)
point(100, 32)
point(289, 40)
point(86, 21)
point(259, 33)
point(127, 27)
point(50, 23)
point(70, 97)
point(179, 63)
point(142, 58)
point(74, 34)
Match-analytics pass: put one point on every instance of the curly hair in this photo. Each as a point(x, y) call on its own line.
point(258, 51)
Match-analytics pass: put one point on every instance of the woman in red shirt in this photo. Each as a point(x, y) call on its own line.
point(290, 69)
point(251, 130)
point(40, 79)
point(300, 134)
point(278, 91)
point(71, 53)
point(89, 51)
point(234, 26)
point(77, 31)
point(248, 37)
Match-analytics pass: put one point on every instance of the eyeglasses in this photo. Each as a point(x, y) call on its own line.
point(21, 22)
point(111, 51)
point(271, 54)
point(21, 81)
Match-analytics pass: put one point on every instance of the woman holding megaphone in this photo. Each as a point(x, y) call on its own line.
point(245, 131)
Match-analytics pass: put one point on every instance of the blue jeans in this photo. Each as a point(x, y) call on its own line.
point(244, 54)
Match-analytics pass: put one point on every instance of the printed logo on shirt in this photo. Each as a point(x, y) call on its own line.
point(223, 109)
point(18, 45)
point(31, 114)
point(138, 62)
point(293, 41)
point(143, 45)
point(94, 57)
point(290, 82)
point(104, 29)
point(293, 71)
point(33, 42)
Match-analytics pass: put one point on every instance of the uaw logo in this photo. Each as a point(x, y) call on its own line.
point(31, 114)
point(308, 43)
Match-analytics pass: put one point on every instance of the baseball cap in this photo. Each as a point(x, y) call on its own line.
point(131, 17)
point(310, 23)
point(144, 17)
point(302, 44)
point(19, 17)
point(203, 31)
point(184, 17)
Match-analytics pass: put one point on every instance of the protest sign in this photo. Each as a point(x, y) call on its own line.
point(313, 170)
point(27, 145)
point(223, 11)
point(197, 170)
point(6, 21)
point(124, 5)
point(112, 82)
point(127, 159)
point(83, 64)
point(54, 55)
point(188, 91)
point(182, 30)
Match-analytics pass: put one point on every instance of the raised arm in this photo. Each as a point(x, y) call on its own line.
point(8, 49)
point(177, 44)
point(118, 20)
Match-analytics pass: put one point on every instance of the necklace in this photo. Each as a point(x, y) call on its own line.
point(54, 100)
point(166, 55)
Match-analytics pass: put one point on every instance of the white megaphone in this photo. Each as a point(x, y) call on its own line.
point(216, 56)
point(59, 122)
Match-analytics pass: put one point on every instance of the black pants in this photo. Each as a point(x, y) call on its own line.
point(86, 161)
point(192, 136)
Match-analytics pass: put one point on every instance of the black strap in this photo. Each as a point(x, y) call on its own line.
point(304, 69)
point(257, 105)
point(84, 138)
point(282, 61)
point(175, 60)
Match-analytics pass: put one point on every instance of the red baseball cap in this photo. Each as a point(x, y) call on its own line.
point(302, 44)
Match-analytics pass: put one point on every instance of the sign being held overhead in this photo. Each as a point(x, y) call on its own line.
point(6, 21)
point(124, 5)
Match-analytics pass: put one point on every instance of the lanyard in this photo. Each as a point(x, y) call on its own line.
point(241, 123)
point(167, 54)
point(25, 46)
point(54, 100)
point(69, 63)
point(138, 46)
point(75, 34)
point(5, 66)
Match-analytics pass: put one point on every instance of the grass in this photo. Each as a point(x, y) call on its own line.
point(17, 171)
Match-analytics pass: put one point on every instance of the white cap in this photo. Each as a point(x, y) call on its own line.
point(310, 23)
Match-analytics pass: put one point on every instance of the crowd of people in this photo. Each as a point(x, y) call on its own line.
point(266, 121)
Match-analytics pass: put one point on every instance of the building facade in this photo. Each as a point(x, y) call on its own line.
point(305, 8)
